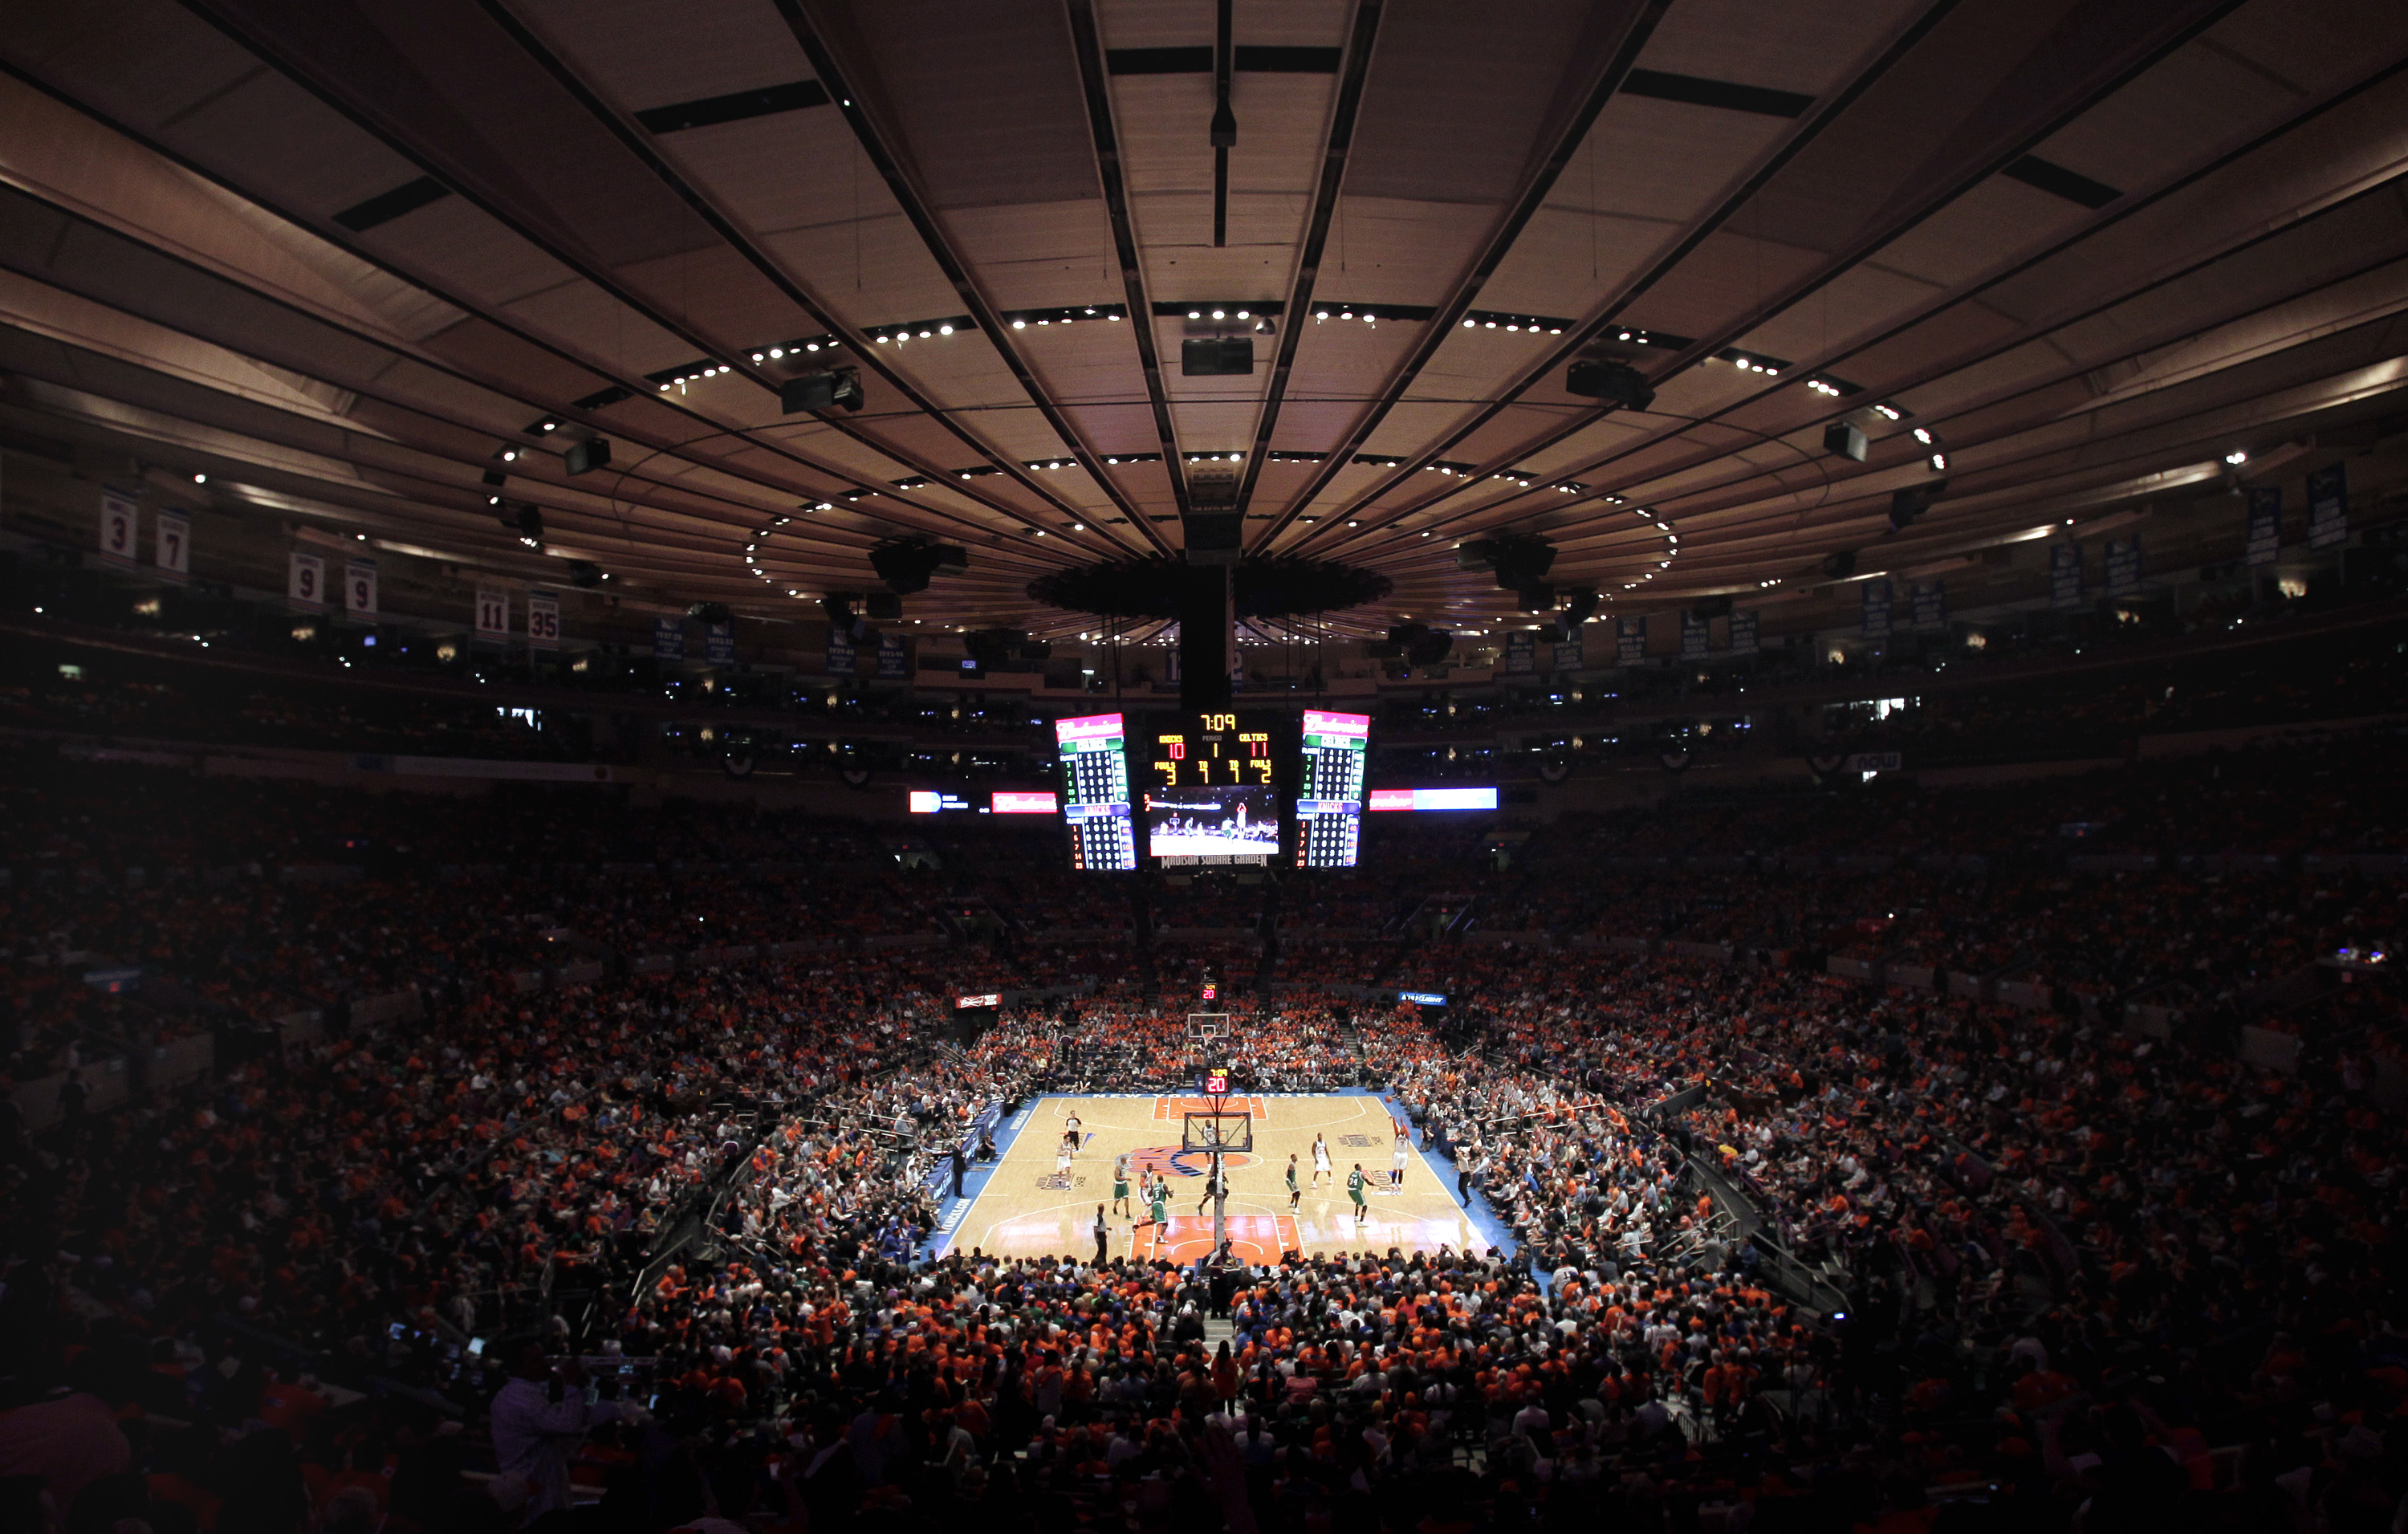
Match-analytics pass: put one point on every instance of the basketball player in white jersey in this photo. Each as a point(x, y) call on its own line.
point(1397, 1170)
point(1321, 1167)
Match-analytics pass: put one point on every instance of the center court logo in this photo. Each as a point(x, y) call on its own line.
point(1176, 1161)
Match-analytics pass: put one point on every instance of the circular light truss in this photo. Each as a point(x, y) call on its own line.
point(761, 536)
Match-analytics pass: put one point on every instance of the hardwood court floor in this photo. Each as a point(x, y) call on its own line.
point(1025, 1210)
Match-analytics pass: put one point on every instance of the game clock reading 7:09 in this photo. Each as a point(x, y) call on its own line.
point(1210, 750)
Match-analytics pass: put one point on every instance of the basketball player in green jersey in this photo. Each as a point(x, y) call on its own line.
point(1295, 1194)
point(1160, 1209)
point(1354, 1191)
point(1119, 1183)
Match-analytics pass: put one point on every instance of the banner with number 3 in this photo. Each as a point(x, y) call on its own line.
point(120, 527)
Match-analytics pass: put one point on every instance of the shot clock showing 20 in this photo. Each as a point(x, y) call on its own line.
point(1210, 794)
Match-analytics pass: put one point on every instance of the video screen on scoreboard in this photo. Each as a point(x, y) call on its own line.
point(1095, 792)
point(1210, 794)
point(1330, 798)
point(1202, 827)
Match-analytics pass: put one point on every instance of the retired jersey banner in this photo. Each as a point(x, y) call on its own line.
point(1630, 641)
point(305, 581)
point(1878, 596)
point(2265, 524)
point(893, 662)
point(1694, 633)
point(121, 528)
point(543, 620)
point(2123, 565)
point(171, 553)
point(1521, 651)
point(494, 616)
point(669, 640)
point(1930, 599)
point(360, 588)
point(2064, 574)
point(1743, 632)
point(2329, 508)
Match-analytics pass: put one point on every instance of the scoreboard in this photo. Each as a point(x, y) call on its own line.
point(1212, 795)
point(1095, 792)
point(1213, 789)
point(1329, 794)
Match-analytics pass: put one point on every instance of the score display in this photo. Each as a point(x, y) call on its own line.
point(1330, 798)
point(1095, 792)
point(1209, 798)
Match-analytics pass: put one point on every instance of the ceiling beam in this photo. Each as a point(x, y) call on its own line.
point(1361, 36)
point(2154, 39)
point(1611, 71)
point(852, 102)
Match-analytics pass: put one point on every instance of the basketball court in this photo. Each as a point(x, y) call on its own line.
point(1028, 1208)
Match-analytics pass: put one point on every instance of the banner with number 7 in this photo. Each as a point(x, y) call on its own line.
point(172, 553)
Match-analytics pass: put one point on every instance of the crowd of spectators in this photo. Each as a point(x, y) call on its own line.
point(2034, 1262)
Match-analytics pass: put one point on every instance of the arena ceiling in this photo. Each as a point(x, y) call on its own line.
point(342, 256)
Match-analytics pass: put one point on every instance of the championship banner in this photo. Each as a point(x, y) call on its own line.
point(840, 654)
point(2064, 574)
point(1930, 599)
point(669, 640)
point(543, 620)
point(2265, 524)
point(1743, 632)
point(121, 528)
point(2329, 508)
point(719, 643)
point(1521, 651)
point(360, 588)
point(2123, 565)
point(171, 552)
point(893, 662)
point(1630, 641)
point(1694, 633)
point(1877, 598)
point(305, 581)
point(493, 615)
point(1568, 655)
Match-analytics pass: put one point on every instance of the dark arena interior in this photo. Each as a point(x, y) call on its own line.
point(810, 766)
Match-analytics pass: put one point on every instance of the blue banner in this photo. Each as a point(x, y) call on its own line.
point(1568, 655)
point(668, 638)
point(719, 643)
point(2123, 565)
point(840, 660)
point(2265, 524)
point(2064, 574)
point(1630, 641)
point(1930, 599)
point(1878, 596)
point(1693, 637)
point(2329, 508)
point(1521, 651)
point(892, 663)
point(1743, 634)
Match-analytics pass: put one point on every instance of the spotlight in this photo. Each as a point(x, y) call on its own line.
point(1842, 440)
point(838, 388)
point(1616, 383)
